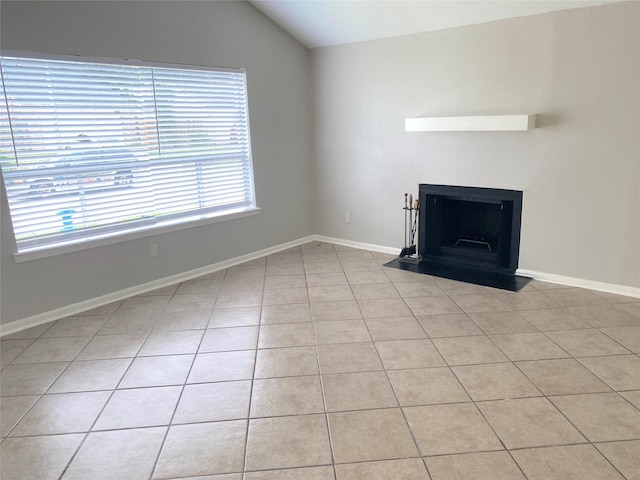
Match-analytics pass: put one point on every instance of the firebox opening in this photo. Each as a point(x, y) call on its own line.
point(471, 230)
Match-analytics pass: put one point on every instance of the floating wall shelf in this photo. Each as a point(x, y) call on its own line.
point(486, 123)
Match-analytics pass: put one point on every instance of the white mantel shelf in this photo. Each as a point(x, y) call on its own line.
point(485, 123)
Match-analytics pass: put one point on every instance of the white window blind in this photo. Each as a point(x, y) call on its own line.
point(92, 149)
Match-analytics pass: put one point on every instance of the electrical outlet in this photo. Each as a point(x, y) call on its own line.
point(347, 217)
point(154, 249)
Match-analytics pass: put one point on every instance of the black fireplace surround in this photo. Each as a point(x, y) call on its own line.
point(469, 234)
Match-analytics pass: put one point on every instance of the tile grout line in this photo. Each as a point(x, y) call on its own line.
point(245, 457)
point(322, 387)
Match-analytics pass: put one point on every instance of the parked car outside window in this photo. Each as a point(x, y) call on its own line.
point(78, 170)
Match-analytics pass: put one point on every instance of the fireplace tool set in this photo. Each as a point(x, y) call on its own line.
point(410, 227)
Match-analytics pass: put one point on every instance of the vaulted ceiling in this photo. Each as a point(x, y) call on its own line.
point(322, 23)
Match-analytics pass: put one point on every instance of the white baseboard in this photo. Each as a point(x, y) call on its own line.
point(76, 308)
point(363, 246)
point(582, 283)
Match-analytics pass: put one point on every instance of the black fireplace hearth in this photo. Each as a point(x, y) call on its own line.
point(469, 234)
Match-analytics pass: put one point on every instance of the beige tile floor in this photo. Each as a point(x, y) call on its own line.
point(318, 363)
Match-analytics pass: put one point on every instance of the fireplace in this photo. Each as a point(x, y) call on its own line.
point(469, 226)
point(469, 234)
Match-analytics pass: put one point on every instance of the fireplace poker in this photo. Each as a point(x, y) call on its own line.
point(405, 219)
point(410, 219)
point(415, 222)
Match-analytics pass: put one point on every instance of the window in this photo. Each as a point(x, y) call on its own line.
point(92, 149)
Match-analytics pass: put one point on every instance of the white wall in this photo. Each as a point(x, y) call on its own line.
point(232, 34)
point(578, 69)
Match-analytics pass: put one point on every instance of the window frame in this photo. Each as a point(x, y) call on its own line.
point(134, 232)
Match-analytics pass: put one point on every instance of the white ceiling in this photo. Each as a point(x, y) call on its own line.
point(322, 23)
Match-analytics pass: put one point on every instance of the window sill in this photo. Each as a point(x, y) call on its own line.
point(133, 234)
